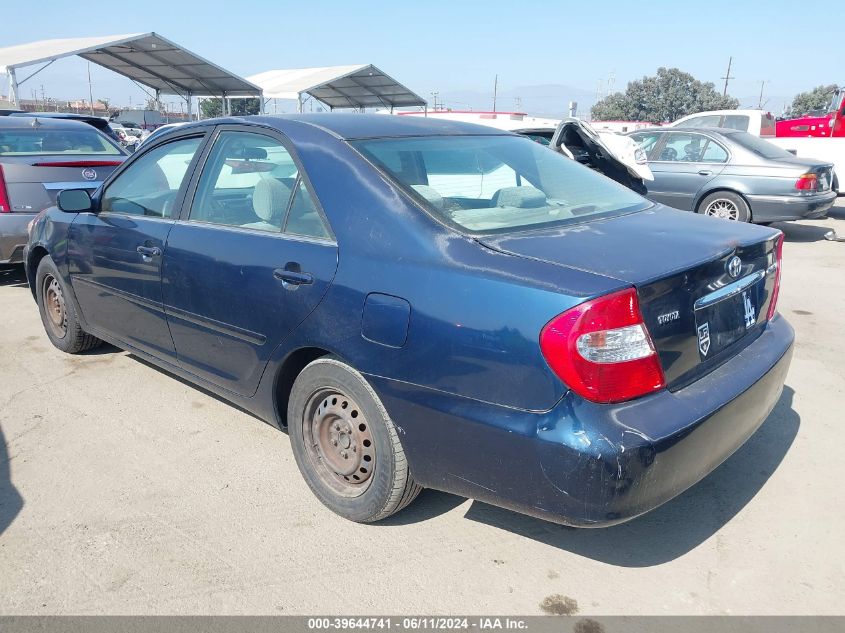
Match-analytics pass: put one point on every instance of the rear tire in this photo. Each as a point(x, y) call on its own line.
point(726, 205)
point(345, 444)
point(58, 312)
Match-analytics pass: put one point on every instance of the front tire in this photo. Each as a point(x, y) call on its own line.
point(725, 205)
point(58, 313)
point(345, 444)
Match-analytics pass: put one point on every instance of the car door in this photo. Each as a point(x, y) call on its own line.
point(115, 254)
point(251, 257)
point(681, 168)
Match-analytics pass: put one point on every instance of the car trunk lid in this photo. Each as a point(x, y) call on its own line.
point(33, 182)
point(700, 309)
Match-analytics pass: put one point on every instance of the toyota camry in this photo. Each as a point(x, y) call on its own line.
point(424, 303)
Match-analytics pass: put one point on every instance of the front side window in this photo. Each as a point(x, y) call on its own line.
point(646, 141)
point(149, 185)
point(497, 183)
point(251, 181)
point(39, 141)
point(682, 147)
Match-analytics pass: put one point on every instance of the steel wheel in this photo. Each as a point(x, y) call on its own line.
point(54, 304)
point(722, 208)
point(339, 442)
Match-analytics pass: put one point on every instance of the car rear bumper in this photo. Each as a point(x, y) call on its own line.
point(776, 208)
point(585, 464)
point(13, 236)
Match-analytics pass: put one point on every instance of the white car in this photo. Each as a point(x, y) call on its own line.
point(756, 122)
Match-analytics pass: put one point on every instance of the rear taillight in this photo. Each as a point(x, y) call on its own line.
point(602, 350)
point(807, 182)
point(773, 304)
point(5, 205)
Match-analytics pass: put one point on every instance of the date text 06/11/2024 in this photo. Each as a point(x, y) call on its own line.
point(417, 623)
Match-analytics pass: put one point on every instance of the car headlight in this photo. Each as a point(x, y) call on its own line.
point(640, 156)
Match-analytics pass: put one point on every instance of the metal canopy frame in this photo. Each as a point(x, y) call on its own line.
point(148, 59)
point(357, 86)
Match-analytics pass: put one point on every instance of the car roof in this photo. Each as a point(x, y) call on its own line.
point(59, 115)
point(21, 122)
point(358, 126)
point(724, 131)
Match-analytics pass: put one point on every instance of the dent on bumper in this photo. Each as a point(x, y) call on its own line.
point(585, 464)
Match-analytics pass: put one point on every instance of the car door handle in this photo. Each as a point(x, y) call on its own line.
point(704, 172)
point(148, 252)
point(293, 277)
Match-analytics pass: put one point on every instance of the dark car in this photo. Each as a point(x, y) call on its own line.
point(734, 175)
point(94, 121)
point(38, 158)
point(425, 303)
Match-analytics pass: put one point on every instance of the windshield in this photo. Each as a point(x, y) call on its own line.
point(497, 183)
point(759, 146)
point(40, 141)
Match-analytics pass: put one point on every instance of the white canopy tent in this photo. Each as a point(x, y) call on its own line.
point(146, 58)
point(357, 86)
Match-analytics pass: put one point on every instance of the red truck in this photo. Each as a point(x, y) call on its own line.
point(829, 123)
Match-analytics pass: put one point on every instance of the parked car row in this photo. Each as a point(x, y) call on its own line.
point(423, 303)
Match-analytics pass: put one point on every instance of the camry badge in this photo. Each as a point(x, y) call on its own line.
point(734, 266)
point(704, 338)
point(89, 174)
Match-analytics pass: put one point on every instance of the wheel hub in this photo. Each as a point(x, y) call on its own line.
point(340, 441)
point(54, 304)
point(724, 209)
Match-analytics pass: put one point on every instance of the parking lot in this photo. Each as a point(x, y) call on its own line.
point(124, 490)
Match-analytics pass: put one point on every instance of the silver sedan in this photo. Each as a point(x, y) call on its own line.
point(733, 175)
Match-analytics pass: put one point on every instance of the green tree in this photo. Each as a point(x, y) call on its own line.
point(662, 98)
point(239, 107)
point(816, 99)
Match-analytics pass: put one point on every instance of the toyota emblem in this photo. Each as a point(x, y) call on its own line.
point(734, 266)
point(89, 174)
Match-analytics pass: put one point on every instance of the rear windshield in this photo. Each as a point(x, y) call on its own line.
point(490, 184)
point(759, 146)
point(42, 141)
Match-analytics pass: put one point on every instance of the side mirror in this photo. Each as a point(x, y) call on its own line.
point(74, 200)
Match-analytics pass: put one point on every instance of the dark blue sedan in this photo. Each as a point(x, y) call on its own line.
point(424, 303)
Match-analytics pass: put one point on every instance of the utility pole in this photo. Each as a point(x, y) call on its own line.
point(434, 96)
point(90, 91)
point(760, 101)
point(727, 77)
point(495, 91)
point(517, 101)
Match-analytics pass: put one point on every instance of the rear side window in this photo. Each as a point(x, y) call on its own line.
point(714, 153)
point(39, 141)
point(736, 122)
point(767, 125)
point(710, 120)
point(150, 184)
point(249, 181)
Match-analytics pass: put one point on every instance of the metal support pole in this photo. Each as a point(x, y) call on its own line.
point(189, 98)
point(263, 104)
point(299, 102)
point(13, 88)
point(158, 100)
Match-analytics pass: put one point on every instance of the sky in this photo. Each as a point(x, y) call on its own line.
point(544, 53)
